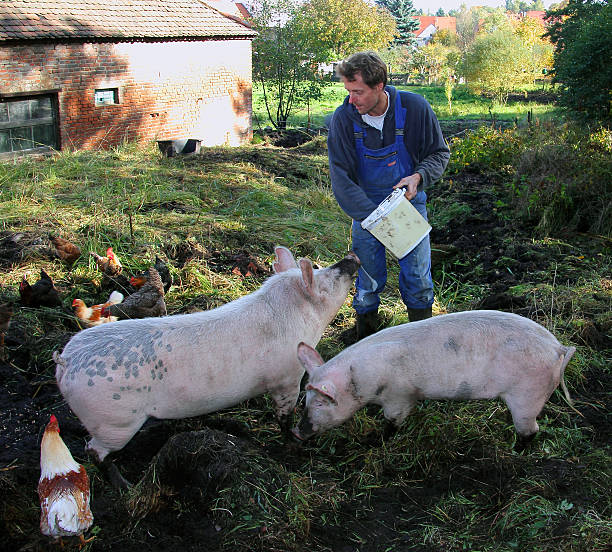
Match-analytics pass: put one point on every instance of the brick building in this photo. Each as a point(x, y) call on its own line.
point(88, 75)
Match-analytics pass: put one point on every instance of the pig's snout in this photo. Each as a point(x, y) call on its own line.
point(349, 265)
point(296, 433)
point(304, 429)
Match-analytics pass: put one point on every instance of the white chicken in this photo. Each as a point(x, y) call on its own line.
point(63, 489)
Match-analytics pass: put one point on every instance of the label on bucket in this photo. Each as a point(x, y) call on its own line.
point(397, 224)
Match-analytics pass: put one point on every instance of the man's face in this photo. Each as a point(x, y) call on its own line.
point(365, 98)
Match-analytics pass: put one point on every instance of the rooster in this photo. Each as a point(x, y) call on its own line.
point(6, 312)
point(92, 316)
point(146, 302)
point(42, 294)
point(63, 489)
point(109, 265)
point(66, 251)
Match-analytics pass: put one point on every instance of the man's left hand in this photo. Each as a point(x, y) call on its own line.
point(410, 183)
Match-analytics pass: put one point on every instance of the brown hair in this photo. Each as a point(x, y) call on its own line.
point(373, 69)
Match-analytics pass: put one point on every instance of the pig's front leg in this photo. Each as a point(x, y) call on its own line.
point(396, 410)
point(285, 400)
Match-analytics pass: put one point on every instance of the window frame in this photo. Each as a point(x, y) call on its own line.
point(53, 120)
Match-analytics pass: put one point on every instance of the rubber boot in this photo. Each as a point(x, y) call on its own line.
point(367, 324)
point(415, 315)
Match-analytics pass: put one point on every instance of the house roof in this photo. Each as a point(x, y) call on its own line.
point(439, 23)
point(121, 20)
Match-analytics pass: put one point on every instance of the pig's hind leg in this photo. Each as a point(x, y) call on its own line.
point(524, 410)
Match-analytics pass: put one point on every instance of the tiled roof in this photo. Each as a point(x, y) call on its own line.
point(439, 23)
point(115, 19)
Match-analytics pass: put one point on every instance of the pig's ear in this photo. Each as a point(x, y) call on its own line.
point(307, 274)
point(308, 357)
point(284, 260)
point(327, 389)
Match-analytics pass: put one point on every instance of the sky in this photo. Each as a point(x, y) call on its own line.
point(447, 5)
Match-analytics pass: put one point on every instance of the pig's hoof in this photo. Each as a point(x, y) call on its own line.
point(522, 442)
point(117, 480)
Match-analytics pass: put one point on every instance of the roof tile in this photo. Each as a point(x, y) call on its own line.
point(126, 19)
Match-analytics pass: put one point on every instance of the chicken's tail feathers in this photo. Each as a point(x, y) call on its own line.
point(115, 297)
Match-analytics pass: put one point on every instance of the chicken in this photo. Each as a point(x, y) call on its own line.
point(6, 311)
point(146, 302)
point(91, 316)
point(42, 294)
point(63, 489)
point(164, 274)
point(109, 265)
point(66, 251)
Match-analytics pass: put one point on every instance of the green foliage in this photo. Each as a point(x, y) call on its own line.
point(403, 11)
point(582, 35)
point(284, 59)
point(564, 180)
point(342, 27)
point(495, 63)
point(486, 149)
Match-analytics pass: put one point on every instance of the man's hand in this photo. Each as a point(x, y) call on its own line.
point(410, 183)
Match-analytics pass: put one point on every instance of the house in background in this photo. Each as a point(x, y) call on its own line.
point(89, 75)
point(429, 25)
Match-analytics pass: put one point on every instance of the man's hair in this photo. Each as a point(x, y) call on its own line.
point(373, 69)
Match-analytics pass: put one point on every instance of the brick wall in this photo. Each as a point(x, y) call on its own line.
point(166, 90)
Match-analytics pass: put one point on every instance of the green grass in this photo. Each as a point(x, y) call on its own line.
point(465, 105)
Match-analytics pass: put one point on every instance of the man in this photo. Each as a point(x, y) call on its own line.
point(381, 139)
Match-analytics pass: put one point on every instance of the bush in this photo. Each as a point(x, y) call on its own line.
point(486, 149)
point(564, 181)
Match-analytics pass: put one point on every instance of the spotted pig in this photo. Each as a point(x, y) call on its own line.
point(115, 376)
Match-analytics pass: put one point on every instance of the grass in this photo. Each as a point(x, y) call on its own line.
point(465, 105)
point(450, 479)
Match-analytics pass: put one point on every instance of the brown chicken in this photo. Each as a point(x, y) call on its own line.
point(109, 265)
point(148, 301)
point(42, 294)
point(92, 316)
point(63, 489)
point(164, 274)
point(6, 312)
point(66, 251)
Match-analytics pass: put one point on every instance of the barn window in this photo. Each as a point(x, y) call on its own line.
point(28, 124)
point(107, 96)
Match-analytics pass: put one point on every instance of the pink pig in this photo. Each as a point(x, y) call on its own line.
point(115, 376)
point(465, 355)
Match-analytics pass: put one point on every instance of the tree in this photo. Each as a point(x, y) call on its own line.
point(495, 63)
point(440, 13)
point(342, 27)
point(531, 32)
point(581, 33)
point(404, 13)
point(285, 59)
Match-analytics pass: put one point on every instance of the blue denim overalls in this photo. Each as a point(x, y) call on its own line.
point(379, 170)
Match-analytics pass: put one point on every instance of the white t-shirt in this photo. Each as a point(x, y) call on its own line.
point(379, 120)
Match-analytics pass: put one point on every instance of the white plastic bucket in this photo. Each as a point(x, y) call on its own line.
point(397, 224)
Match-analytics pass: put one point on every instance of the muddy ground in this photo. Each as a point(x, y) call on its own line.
point(213, 453)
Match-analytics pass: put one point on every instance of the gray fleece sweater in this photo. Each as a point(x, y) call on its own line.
point(422, 137)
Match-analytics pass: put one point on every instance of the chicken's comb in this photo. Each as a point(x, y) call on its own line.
point(53, 419)
point(109, 252)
